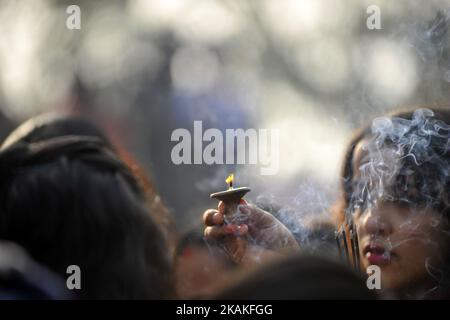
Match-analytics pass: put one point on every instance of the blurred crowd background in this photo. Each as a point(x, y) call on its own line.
point(142, 68)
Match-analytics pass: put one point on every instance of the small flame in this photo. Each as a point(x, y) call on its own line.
point(229, 180)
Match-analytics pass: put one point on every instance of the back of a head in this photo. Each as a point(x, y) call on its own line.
point(300, 278)
point(69, 201)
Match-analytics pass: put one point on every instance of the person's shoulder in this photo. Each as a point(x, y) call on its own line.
point(23, 278)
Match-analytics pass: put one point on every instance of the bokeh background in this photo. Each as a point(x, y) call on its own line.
point(142, 68)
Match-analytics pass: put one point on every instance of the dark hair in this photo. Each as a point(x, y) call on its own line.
point(420, 138)
point(67, 198)
point(51, 125)
point(300, 277)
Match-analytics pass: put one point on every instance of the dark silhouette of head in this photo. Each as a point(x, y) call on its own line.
point(300, 277)
point(68, 199)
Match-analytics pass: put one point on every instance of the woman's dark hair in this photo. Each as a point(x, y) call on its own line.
point(67, 198)
point(300, 277)
point(421, 140)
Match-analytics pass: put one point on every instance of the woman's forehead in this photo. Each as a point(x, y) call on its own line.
point(367, 151)
point(359, 154)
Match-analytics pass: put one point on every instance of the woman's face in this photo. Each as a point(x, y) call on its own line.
point(409, 245)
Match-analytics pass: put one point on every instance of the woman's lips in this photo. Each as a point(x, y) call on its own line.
point(377, 255)
point(377, 259)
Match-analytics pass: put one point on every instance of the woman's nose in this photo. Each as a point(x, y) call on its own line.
point(375, 223)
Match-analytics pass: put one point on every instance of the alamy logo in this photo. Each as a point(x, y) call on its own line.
point(373, 21)
point(262, 146)
point(74, 279)
point(374, 279)
point(73, 21)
